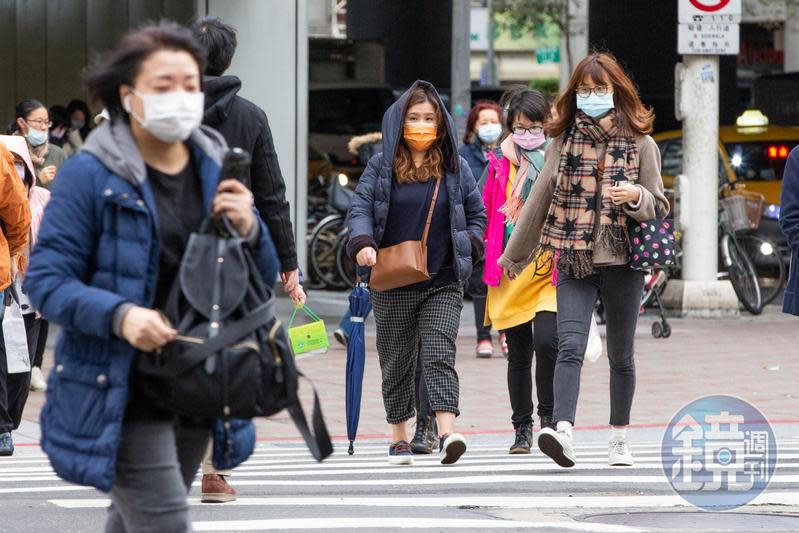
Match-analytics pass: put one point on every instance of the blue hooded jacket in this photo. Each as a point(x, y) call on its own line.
point(368, 212)
point(789, 222)
point(97, 249)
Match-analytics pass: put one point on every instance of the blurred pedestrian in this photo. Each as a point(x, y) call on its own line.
point(601, 170)
point(79, 117)
point(789, 222)
point(36, 327)
point(15, 217)
point(62, 134)
point(524, 308)
point(419, 185)
point(109, 250)
point(243, 124)
point(483, 134)
point(32, 121)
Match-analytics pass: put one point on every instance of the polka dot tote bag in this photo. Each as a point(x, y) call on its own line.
point(651, 244)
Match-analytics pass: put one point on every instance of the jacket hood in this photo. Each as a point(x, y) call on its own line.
point(393, 121)
point(220, 92)
point(112, 143)
point(18, 146)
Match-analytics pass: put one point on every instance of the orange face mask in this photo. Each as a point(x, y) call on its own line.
point(420, 137)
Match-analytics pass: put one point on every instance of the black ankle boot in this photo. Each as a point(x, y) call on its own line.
point(425, 437)
point(524, 439)
point(547, 422)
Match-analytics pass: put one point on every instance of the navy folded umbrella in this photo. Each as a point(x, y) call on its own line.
point(356, 355)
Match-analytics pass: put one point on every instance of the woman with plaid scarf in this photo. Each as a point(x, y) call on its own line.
point(601, 170)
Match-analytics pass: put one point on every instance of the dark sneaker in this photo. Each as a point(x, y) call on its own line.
point(524, 439)
point(451, 447)
point(547, 422)
point(425, 437)
point(341, 337)
point(6, 444)
point(558, 446)
point(400, 453)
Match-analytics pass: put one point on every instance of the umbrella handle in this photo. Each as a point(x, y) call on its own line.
point(351, 451)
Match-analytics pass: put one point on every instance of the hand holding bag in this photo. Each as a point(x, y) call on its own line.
point(405, 263)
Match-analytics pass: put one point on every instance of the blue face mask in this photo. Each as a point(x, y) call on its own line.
point(36, 137)
point(595, 106)
point(489, 133)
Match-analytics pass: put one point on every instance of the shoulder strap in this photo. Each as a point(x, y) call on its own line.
point(318, 440)
point(430, 213)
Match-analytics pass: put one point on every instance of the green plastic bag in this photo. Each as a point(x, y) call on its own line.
point(310, 337)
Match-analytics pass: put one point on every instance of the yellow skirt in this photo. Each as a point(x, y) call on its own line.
point(518, 301)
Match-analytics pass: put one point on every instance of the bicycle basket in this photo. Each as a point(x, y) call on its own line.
point(742, 210)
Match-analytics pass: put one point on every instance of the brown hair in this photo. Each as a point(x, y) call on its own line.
point(433, 164)
point(632, 117)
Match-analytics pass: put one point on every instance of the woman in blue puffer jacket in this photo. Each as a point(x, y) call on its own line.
point(109, 249)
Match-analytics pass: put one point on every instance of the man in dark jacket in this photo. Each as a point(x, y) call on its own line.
point(789, 221)
point(243, 124)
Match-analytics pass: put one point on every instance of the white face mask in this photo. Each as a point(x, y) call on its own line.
point(170, 117)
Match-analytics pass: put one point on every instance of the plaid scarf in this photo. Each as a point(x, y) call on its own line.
point(569, 227)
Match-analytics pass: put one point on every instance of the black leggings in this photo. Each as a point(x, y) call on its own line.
point(539, 336)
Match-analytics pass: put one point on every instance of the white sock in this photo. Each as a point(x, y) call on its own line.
point(565, 427)
point(617, 434)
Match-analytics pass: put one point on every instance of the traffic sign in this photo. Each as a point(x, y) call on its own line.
point(708, 39)
point(722, 11)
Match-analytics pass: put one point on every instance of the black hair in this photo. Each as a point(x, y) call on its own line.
point(23, 111)
point(80, 105)
point(219, 41)
point(528, 102)
point(122, 65)
point(59, 116)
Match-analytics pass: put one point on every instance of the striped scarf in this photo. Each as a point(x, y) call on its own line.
point(569, 227)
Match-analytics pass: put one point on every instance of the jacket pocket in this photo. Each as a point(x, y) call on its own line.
point(78, 396)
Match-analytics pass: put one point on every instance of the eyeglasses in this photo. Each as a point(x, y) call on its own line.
point(599, 90)
point(535, 130)
point(40, 123)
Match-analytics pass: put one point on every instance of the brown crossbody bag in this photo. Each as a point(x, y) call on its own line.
point(405, 263)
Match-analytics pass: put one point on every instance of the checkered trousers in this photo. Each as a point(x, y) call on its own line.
point(408, 321)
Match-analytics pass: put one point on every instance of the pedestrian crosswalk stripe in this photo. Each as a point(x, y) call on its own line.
point(400, 522)
point(57, 488)
point(466, 500)
point(563, 477)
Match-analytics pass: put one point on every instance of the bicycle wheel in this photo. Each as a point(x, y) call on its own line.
point(346, 266)
point(769, 265)
point(742, 274)
point(322, 251)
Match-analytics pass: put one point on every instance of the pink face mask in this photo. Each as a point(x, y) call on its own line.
point(529, 141)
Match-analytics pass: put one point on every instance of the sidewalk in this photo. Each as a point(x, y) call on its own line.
point(755, 358)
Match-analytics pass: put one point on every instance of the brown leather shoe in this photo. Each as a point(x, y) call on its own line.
point(217, 490)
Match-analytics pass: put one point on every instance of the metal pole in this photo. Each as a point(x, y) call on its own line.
point(491, 60)
point(460, 86)
point(701, 166)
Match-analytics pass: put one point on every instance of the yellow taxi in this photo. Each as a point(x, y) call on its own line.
point(752, 154)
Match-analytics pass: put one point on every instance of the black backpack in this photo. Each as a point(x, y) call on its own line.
point(232, 359)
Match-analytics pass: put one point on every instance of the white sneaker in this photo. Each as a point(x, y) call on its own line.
point(558, 446)
point(619, 453)
point(37, 380)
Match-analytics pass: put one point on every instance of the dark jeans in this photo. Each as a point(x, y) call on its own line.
point(477, 289)
point(523, 340)
point(156, 464)
point(620, 288)
point(41, 342)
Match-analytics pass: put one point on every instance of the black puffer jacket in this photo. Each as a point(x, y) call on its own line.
point(243, 124)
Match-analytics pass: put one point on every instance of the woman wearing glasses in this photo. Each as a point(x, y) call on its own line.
point(513, 305)
point(32, 121)
point(601, 170)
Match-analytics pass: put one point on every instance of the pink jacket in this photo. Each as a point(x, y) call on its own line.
point(494, 196)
